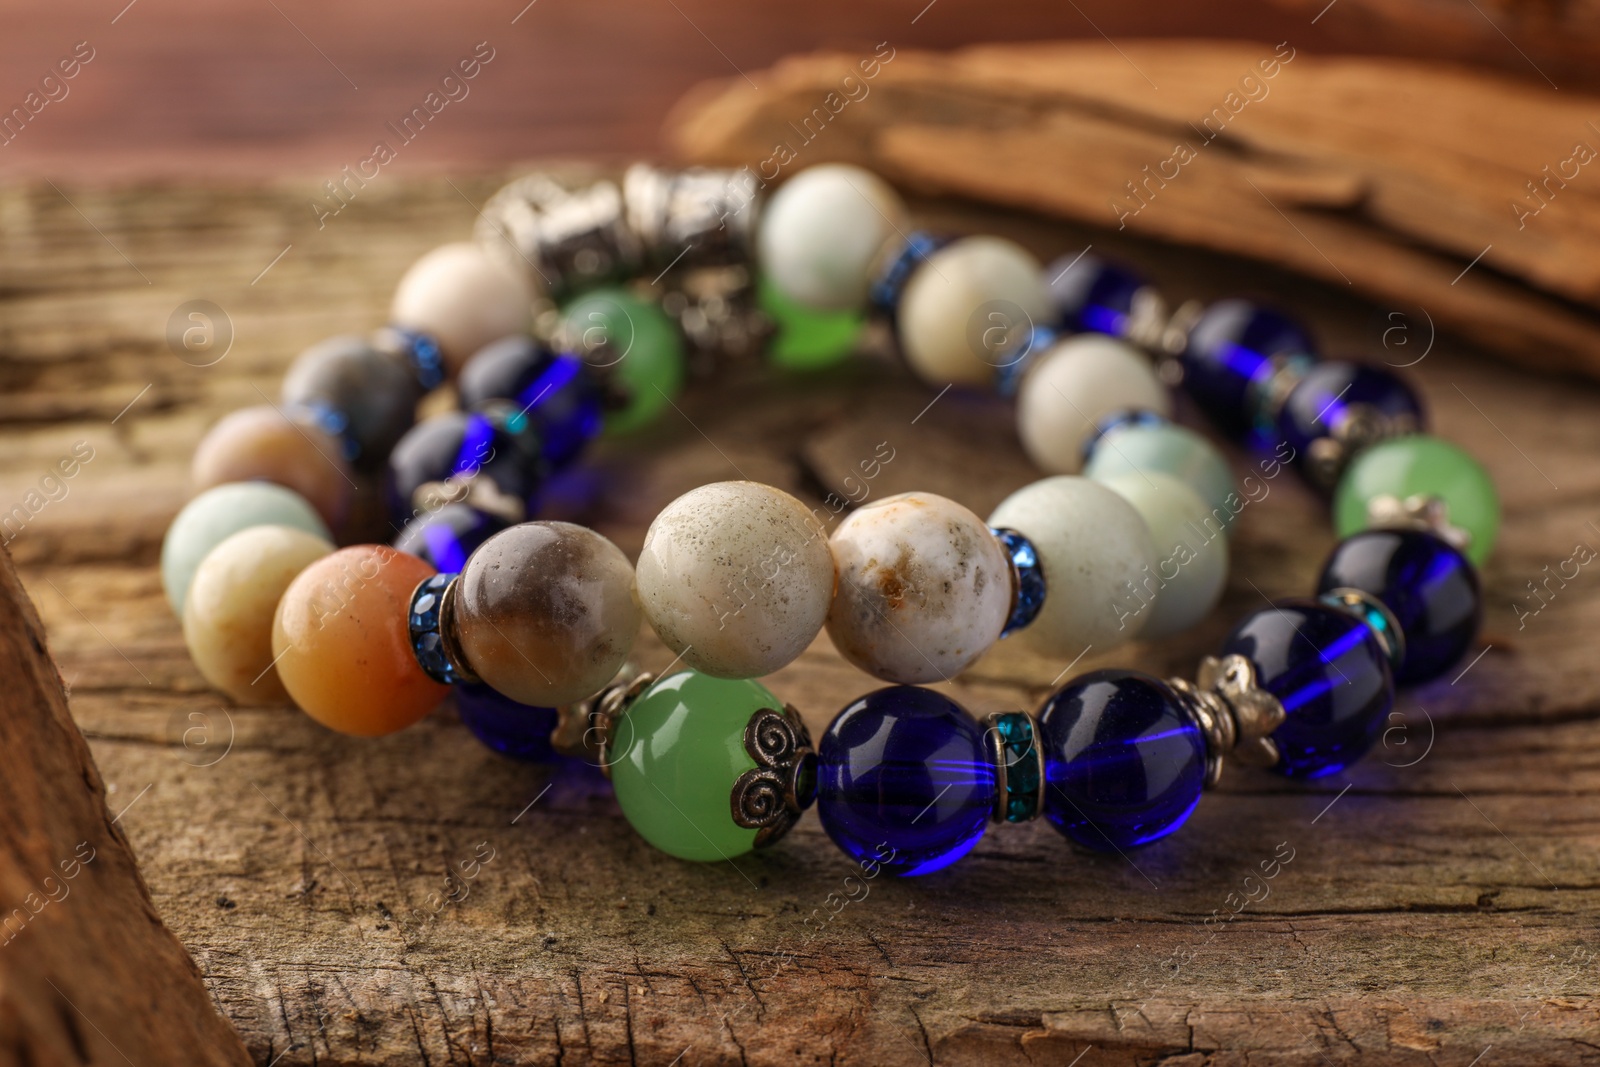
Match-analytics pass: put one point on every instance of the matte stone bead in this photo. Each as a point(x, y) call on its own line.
point(824, 232)
point(1428, 586)
point(1092, 294)
point(558, 396)
point(1129, 447)
point(1191, 567)
point(227, 620)
point(1325, 399)
point(545, 612)
point(500, 723)
point(635, 342)
point(1330, 673)
point(1075, 385)
point(1230, 354)
point(675, 757)
point(464, 298)
point(445, 538)
point(924, 589)
point(807, 339)
point(964, 309)
point(904, 781)
point(374, 392)
point(448, 450)
point(342, 644)
point(217, 514)
point(1421, 465)
point(737, 577)
point(1123, 763)
point(286, 448)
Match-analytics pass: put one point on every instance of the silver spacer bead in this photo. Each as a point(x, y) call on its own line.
point(1420, 512)
point(691, 218)
point(566, 238)
point(585, 730)
point(1235, 715)
point(770, 797)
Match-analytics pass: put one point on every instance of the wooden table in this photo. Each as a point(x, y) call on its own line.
point(1440, 904)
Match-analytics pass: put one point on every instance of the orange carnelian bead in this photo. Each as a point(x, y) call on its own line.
point(343, 645)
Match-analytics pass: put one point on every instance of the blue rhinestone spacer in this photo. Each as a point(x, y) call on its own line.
point(1027, 579)
point(1019, 765)
point(427, 631)
point(1015, 363)
point(336, 423)
point(1115, 421)
point(423, 353)
point(888, 285)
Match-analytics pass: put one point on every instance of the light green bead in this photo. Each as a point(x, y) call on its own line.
point(675, 756)
point(219, 513)
point(1169, 449)
point(1421, 465)
point(808, 339)
point(645, 344)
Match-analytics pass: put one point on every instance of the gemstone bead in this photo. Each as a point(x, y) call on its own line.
point(1091, 294)
point(1014, 740)
point(287, 448)
point(442, 455)
point(1073, 386)
point(373, 391)
point(1029, 587)
point(445, 538)
point(464, 298)
point(217, 514)
point(675, 756)
point(1421, 465)
point(807, 339)
point(904, 781)
point(1427, 584)
point(963, 309)
point(1230, 356)
point(557, 395)
point(1332, 676)
point(634, 341)
point(1332, 393)
point(424, 621)
point(1124, 764)
point(1191, 566)
point(519, 731)
point(1129, 446)
point(823, 233)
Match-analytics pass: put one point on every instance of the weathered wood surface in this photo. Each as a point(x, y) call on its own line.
point(1441, 901)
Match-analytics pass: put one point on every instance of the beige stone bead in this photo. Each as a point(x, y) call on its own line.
point(960, 307)
point(263, 443)
point(464, 298)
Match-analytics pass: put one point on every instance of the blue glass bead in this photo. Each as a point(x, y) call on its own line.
point(1092, 294)
point(424, 619)
point(446, 537)
point(1015, 739)
point(904, 780)
point(1123, 762)
point(1429, 586)
point(1230, 355)
point(459, 445)
point(1325, 398)
point(884, 295)
point(558, 393)
point(1330, 673)
point(1029, 575)
point(520, 731)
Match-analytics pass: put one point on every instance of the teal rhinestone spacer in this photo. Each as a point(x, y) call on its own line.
point(1376, 614)
point(1012, 737)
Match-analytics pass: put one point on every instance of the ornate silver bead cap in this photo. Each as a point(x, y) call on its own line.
point(770, 797)
point(1358, 428)
point(586, 729)
point(1430, 514)
point(1235, 715)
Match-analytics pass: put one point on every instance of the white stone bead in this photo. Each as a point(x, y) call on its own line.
point(824, 233)
point(464, 298)
point(1093, 546)
point(1074, 385)
point(1191, 557)
point(227, 619)
point(924, 588)
point(959, 307)
point(737, 577)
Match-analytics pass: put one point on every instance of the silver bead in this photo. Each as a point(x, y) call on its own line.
point(1235, 715)
point(568, 238)
point(691, 218)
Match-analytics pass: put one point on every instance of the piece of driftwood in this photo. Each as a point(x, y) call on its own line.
point(1467, 197)
point(417, 899)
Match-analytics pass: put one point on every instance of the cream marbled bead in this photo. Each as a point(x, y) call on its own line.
point(737, 577)
point(823, 234)
point(1093, 546)
point(227, 618)
point(1078, 382)
point(1191, 557)
point(924, 588)
point(464, 298)
point(959, 307)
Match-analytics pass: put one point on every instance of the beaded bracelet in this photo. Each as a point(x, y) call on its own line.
point(531, 623)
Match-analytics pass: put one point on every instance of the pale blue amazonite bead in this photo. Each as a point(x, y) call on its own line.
point(219, 513)
point(1169, 449)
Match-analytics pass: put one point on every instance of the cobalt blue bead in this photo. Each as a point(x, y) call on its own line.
point(457, 445)
point(1230, 355)
point(1427, 584)
point(520, 731)
point(445, 538)
point(1123, 763)
point(1329, 671)
point(1330, 393)
point(560, 394)
point(1091, 294)
point(904, 780)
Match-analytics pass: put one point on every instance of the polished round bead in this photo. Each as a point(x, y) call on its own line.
point(227, 620)
point(1096, 552)
point(1332, 393)
point(217, 514)
point(824, 232)
point(435, 462)
point(557, 395)
point(1331, 674)
point(1191, 557)
point(371, 393)
point(286, 448)
point(1230, 356)
point(675, 756)
point(446, 537)
point(1428, 586)
point(635, 342)
point(1425, 466)
point(1164, 447)
point(500, 723)
point(545, 612)
point(964, 309)
point(924, 588)
point(905, 781)
point(807, 339)
point(1091, 294)
point(736, 577)
point(1123, 763)
point(343, 647)
point(1075, 385)
point(464, 298)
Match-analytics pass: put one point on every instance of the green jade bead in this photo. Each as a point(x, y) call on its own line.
point(807, 339)
point(1170, 449)
point(675, 756)
point(645, 351)
point(1421, 465)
